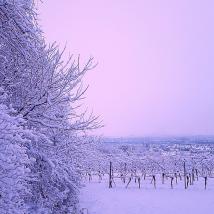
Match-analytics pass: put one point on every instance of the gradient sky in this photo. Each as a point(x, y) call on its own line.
point(156, 61)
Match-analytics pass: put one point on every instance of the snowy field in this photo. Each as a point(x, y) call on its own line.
point(99, 199)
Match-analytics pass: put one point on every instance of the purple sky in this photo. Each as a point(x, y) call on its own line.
point(156, 61)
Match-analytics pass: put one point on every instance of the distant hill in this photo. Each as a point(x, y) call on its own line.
point(174, 140)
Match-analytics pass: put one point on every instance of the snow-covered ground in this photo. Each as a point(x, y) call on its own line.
point(99, 199)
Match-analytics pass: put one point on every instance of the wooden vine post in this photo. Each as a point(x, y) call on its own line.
point(163, 175)
point(172, 178)
point(205, 182)
point(185, 183)
point(138, 182)
point(110, 175)
point(124, 174)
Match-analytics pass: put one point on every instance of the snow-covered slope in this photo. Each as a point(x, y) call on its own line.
point(99, 199)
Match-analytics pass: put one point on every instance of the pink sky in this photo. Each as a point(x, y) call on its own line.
point(156, 61)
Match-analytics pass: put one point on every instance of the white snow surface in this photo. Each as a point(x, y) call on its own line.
point(97, 198)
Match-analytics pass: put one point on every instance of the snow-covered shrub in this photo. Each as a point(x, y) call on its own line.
point(14, 162)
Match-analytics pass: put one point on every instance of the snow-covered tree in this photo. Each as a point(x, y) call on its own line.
point(42, 87)
point(43, 91)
